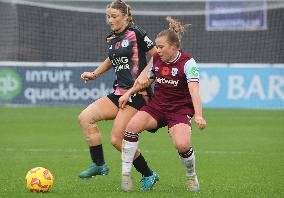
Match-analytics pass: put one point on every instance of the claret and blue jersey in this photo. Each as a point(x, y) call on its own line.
point(171, 93)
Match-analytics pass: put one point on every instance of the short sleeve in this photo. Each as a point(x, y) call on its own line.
point(143, 40)
point(147, 43)
point(191, 71)
point(151, 74)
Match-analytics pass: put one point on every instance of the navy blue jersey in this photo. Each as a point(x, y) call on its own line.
point(127, 52)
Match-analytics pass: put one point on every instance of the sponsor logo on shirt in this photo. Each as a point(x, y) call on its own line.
point(148, 41)
point(121, 67)
point(120, 63)
point(167, 81)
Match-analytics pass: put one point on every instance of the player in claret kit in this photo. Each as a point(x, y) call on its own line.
point(174, 102)
point(128, 45)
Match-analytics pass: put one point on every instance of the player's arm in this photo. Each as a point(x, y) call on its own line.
point(142, 79)
point(138, 86)
point(148, 46)
point(194, 92)
point(192, 75)
point(133, 90)
point(105, 66)
point(151, 52)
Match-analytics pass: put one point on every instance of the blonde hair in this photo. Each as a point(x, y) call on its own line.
point(174, 32)
point(123, 7)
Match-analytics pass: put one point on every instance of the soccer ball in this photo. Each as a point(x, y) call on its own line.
point(39, 179)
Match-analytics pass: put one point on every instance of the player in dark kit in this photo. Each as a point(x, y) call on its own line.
point(128, 45)
point(174, 102)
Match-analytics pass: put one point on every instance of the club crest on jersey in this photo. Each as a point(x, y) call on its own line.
point(165, 71)
point(174, 71)
point(124, 43)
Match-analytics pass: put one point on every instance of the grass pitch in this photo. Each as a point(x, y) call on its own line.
point(240, 154)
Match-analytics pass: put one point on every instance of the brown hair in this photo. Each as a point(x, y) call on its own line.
point(123, 7)
point(174, 32)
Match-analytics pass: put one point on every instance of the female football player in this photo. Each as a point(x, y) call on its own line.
point(128, 45)
point(174, 102)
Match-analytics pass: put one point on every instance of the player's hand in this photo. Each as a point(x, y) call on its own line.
point(200, 121)
point(88, 76)
point(123, 100)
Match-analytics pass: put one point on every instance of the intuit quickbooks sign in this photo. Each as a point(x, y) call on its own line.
point(10, 84)
point(37, 85)
point(221, 85)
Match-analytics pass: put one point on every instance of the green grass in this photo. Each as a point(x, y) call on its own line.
point(240, 154)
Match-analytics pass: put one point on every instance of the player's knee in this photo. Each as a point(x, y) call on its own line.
point(85, 120)
point(132, 127)
point(182, 147)
point(82, 119)
point(89, 128)
point(116, 142)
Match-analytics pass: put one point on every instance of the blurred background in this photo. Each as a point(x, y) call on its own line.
point(46, 44)
point(239, 46)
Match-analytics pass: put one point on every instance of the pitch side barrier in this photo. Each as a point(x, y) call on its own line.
point(258, 86)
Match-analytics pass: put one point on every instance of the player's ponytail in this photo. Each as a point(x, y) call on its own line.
point(129, 14)
point(174, 32)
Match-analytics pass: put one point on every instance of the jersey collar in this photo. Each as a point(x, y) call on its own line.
point(175, 59)
point(121, 33)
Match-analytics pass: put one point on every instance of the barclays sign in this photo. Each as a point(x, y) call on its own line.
point(242, 86)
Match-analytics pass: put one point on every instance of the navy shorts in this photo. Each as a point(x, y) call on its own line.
point(166, 119)
point(137, 100)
